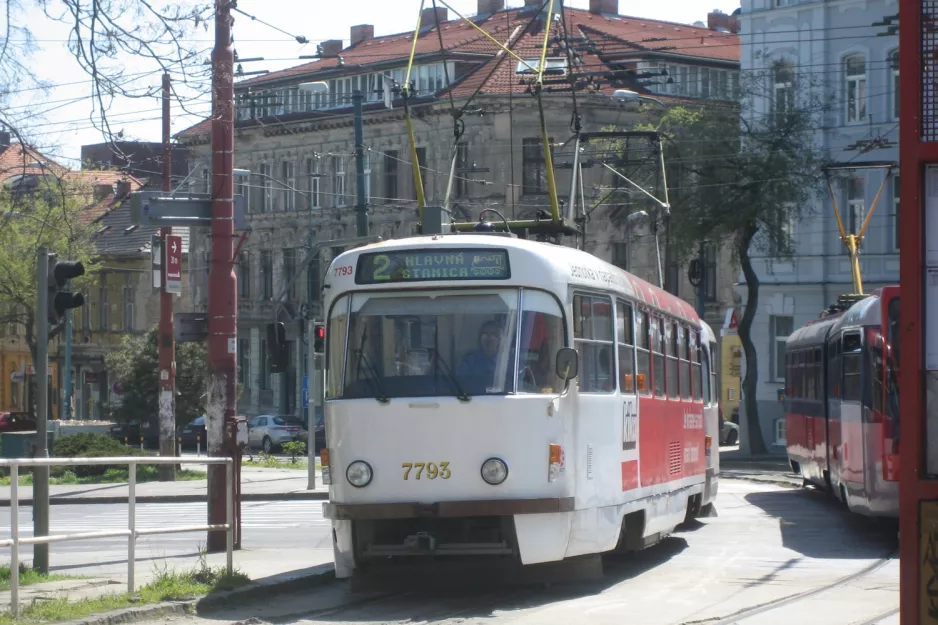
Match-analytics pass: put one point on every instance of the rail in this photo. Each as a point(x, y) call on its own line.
point(132, 533)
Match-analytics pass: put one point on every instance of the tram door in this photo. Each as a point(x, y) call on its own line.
point(625, 347)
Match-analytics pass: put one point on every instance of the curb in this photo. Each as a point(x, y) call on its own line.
point(63, 501)
point(286, 582)
point(762, 480)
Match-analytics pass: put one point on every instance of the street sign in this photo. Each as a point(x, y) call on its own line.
point(306, 391)
point(174, 264)
point(730, 323)
point(156, 208)
point(156, 261)
point(190, 327)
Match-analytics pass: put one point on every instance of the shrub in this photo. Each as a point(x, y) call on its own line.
point(294, 448)
point(90, 445)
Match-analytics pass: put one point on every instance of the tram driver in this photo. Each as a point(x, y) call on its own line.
point(480, 364)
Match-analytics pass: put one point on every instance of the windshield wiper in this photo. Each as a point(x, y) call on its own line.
point(372, 378)
point(461, 395)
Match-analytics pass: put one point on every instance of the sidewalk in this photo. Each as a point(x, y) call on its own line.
point(257, 484)
point(768, 469)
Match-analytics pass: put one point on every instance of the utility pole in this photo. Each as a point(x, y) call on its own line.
point(361, 206)
point(702, 287)
point(167, 345)
point(223, 284)
point(41, 474)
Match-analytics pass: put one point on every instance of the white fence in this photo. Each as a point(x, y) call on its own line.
point(131, 532)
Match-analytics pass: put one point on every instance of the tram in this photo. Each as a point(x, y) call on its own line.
point(842, 422)
point(493, 397)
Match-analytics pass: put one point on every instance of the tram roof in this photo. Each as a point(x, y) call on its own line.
point(866, 312)
point(564, 266)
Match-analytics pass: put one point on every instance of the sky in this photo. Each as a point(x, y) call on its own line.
point(59, 118)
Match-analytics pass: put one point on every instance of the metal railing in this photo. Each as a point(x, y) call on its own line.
point(131, 532)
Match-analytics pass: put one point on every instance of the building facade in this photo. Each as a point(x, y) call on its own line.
point(299, 149)
point(833, 46)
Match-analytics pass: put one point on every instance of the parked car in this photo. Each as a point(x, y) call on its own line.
point(268, 432)
point(193, 433)
point(17, 422)
point(131, 431)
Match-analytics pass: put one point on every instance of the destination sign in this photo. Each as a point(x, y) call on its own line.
point(425, 265)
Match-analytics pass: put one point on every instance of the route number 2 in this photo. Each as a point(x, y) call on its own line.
point(433, 470)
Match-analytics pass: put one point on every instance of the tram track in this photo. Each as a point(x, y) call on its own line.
point(739, 617)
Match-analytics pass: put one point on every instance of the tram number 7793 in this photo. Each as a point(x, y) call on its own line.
point(433, 470)
point(630, 423)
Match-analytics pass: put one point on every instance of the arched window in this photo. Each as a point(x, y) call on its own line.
point(855, 88)
point(894, 83)
point(784, 89)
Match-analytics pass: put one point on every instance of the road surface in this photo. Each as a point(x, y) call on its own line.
point(772, 555)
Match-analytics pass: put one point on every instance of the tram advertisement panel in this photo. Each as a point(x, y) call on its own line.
point(422, 265)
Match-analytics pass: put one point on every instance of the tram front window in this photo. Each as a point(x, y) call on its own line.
point(444, 343)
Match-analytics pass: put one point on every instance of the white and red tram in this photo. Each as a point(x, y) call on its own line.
point(842, 425)
point(452, 431)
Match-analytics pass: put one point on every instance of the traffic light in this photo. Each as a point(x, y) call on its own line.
point(277, 347)
point(319, 338)
point(60, 300)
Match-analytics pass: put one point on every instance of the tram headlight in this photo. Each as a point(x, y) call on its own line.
point(494, 471)
point(359, 474)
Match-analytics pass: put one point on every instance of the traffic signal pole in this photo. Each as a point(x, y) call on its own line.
point(222, 300)
point(41, 474)
point(167, 344)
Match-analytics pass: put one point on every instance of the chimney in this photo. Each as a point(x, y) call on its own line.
point(4, 139)
point(604, 7)
point(101, 191)
point(720, 21)
point(330, 49)
point(122, 189)
point(427, 18)
point(488, 7)
point(360, 33)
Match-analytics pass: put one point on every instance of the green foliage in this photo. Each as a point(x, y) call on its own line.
point(136, 365)
point(50, 215)
point(91, 445)
point(294, 449)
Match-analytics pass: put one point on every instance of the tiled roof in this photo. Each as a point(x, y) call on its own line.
point(616, 36)
point(17, 159)
point(116, 235)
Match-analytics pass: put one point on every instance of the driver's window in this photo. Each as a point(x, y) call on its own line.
point(542, 335)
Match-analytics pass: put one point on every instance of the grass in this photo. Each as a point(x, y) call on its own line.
point(272, 462)
point(29, 576)
point(113, 475)
point(167, 586)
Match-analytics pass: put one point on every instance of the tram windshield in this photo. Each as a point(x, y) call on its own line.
point(438, 343)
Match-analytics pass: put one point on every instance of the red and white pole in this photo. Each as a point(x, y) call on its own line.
point(222, 300)
point(166, 343)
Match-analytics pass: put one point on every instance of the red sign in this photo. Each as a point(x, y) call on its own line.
point(173, 282)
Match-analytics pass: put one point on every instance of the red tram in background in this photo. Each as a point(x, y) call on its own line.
point(841, 384)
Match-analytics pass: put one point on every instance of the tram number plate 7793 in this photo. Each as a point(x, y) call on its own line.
point(430, 470)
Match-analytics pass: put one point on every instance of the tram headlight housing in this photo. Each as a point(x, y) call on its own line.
point(359, 474)
point(494, 471)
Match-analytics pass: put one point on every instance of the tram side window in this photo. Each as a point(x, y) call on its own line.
point(592, 334)
point(703, 371)
point(696, 352)
point(876, 359)
point(335, 347)
point(833, 368)
point(796, 370)
point(714, 367)
point(808, 374)
point(818, 374)
point(657, 346)
point(672, 340)
point(625, 340)
point(789, 374)
point(643, 353)
point(852, 358)
point(684, 346)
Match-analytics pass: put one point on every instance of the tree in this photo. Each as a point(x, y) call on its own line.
point(49, 213)
point(136, 366)
point(740, 177)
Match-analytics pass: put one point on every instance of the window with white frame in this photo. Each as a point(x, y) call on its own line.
point(206, 186)
point(856, 204)
point(103, 307)
point(264, 173)
point(780, 433)
point(338, 180)
point(780, 327)
point(312, 182)
point(129, 308)
point(289, 189)
point(895, 212)
point(241, 188)
point(894, 83)
point(784, 90)
point(855, 88)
